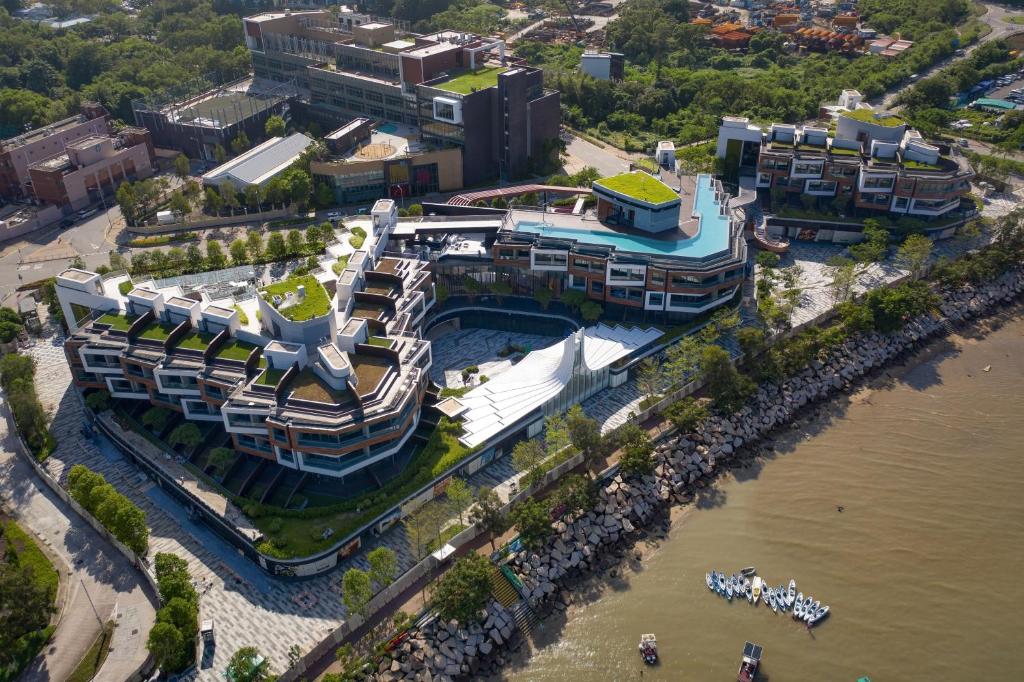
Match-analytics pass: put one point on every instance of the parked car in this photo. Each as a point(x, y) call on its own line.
point(963, 142)
point(334, 215)
point(87, 212)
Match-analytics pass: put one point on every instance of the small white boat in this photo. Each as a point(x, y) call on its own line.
point(748, 571)
point(780, 594)
point(810, 612)
point(798, 606)
point(791, 595)
point(820, 614)
point(773, 600)
point(745, 590)
point(707, 579)
point(755, 589)
point(765, 594)
point(808, 600)
point(721, 584)
point(728, 589)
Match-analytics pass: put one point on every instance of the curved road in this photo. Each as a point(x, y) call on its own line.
point(98, 582)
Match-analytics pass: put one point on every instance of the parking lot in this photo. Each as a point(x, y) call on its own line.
point(1004, 89)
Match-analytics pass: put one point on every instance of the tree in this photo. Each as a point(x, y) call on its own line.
point(274, 126)
point(212, 200)
point(228, 196)
point(182, 167)
point(247, 665)
point(533, 522)
point(187, 435)
point(296, 243)
point(356, 591)
point(254, 245)
point(276, 250)
point(165, 642)
point(575, 493)
point(543, 296)
point(875, 244)
point(26, 604)
point(463, 590)
point(590, 311)
point(220, 459)
point(527, 456)
point(767, 259)
point(637, 451)
point(323, 195)
point(179, 205)
point(844, 277)
point(215, 259)
point(914, 254)
point(686, 414)
point(240, 143)
point(98, 401)
point(727, 387)
point(238, 251)
point(648, 378)
point(253, 197)
point(172, 578)
point(584, 434)
point(573, 298)
point(423, 527)
point(488, 514)
point(501, 289)
point(383, 566)
point(460, 496)
point(219, 155)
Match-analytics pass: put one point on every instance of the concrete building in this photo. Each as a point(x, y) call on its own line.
point(459, 90)
point(327, 380)
point(92, 167)
point(603, 65)
point(637, 200)
point(18, 153)
point(872, 160)
point(259, 165)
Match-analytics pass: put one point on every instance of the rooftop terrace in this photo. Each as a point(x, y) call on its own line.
point(308, 386)
point(872, 116)
point(233, 349)
point(315, 303)
point(196, 340)
point(469, 81)
point(639, 185)
point(117, 321)
point(157, 331)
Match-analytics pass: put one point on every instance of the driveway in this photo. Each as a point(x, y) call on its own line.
point(100, 584)
point(607, 160)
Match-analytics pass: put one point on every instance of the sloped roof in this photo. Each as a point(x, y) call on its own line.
point(261, 163)
point(539, 377)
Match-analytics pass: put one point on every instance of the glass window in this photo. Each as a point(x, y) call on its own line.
point(597, 287)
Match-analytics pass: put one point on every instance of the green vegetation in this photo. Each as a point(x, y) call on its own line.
point(125, 287)
point(17, 378)
point(315, 303)
point(271, 376)
point(28, 588)
point(463, 590)
point(94, 657)
point(233, 349)
point(114, 511)
point(10, 325)
point(380, 341)
point(456, 392)
point(196, 340)
point(162, 239)
point(871, 116)
point(356, 591)
point(340, 264)
point(471, 81)
point(357, 238)
point(117, 321)
point(641, 186)
point(532, 520)
point(157, 331)
point(172, 639)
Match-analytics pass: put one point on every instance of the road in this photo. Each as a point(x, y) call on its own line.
point(608, 160)
point(100, 583)
point(995, 16)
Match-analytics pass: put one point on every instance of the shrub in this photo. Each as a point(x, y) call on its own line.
point(186, 435)
point(98, 401)
point(114, 511)
point(464, 589)
point(17, 377)
point(357, 238)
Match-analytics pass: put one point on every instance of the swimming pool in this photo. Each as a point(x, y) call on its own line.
point(388, 128)
point(712, 237)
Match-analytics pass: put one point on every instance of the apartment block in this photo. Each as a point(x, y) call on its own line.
point(322, 373)
point(872, 160)
point(457, 90)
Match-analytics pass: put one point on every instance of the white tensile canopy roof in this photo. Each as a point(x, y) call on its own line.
point(540, 376)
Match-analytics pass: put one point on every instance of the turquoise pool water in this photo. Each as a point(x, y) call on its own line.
point(387, 128)
point(712, 238)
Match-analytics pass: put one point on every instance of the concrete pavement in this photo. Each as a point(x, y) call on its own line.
point(100, 583)
point(607, 160)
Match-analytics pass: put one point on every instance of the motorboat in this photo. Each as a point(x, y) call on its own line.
point(798, 606)
point(745, 590)
point(765, 594)
point(728, 589)
point(649, 649)
point(773, 600)
point(735, 584)
point(721, 584)
point(809, 613)
point(755, 589)
point(791, 596)
point(750, 662)
point(807, 604)
point(819, 615)
point(780, 594)
point(748, 571)
point(707, 579)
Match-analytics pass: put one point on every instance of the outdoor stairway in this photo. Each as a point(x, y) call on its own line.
point(525, 618)
point(502, 589)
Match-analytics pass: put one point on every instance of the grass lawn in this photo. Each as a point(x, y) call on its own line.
point(94, 657)
point(640, 186)
point(315, 304)
point(271, 377)
point(196, 340)
point(467, 82)
point(26, 552)
point(116, 321)
point(157, 331)
point(869, 116)
point(381, 341)
point(233, 349)
point(1019, 20)
point(341, 264)
point(446, 535)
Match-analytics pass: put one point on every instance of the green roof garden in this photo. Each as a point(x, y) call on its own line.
point(233, 349)
point(381, 341)
point(469, 81)
point(270, 377)
point(118, 321)
point(196, 340)
point(839, 151)
point(157, 331)
point(369, 371)
point(871, 116)
point(315, 304)
point(308, 386)
point(910, 164)
point(640, 186)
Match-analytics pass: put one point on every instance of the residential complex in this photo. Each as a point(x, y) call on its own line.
point(70, 164)
point(871, 160)
point(319, 373)
point(453, 89)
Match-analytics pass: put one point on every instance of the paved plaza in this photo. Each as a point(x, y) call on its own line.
point(460, 349)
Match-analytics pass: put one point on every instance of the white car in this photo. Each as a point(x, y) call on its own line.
point(334, 215)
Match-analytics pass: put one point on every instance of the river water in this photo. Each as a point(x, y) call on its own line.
point(921, 568)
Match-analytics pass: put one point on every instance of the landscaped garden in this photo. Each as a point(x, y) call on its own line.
point(314, 303)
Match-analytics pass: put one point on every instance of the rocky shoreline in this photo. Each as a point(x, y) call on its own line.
point(628, 508)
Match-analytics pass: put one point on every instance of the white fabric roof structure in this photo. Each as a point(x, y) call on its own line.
point(260, 164)
point(540, 376)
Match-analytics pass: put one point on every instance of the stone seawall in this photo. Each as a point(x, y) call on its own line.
point(599, 538)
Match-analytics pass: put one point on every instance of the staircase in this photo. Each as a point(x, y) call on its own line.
point(525, 618)
point(761, 236)
point(502, 589)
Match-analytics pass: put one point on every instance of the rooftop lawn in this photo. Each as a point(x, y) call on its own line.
point(157, 331)
point(270, 377)
point(308, 386)
point(639, 186)
point(315, 304)
point(117, 321)
point(233, 349)
point(910, 164)
point(196, 340)
point(839, 151)
point(381, 341)
point(871, 116)
point(467, 82)
point(368, 311)
point(369, 371)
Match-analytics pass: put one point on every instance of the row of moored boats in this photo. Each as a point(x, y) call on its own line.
point(753, 588)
